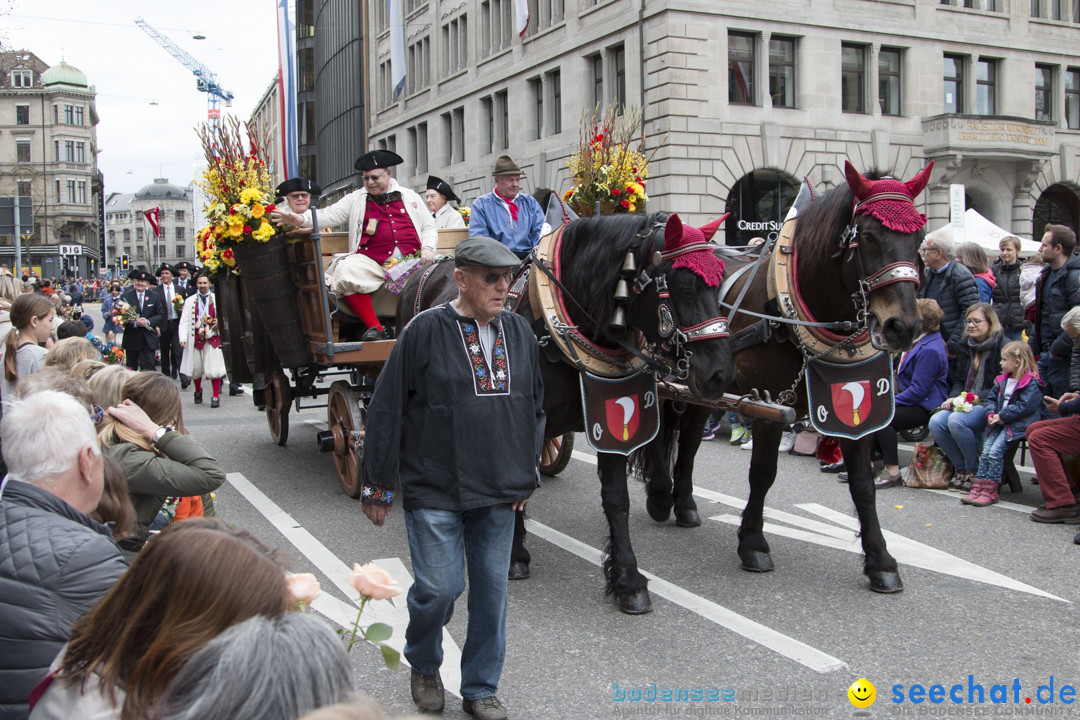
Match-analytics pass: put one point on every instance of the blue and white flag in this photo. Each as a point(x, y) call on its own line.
point(287, 93)
point(397, 46)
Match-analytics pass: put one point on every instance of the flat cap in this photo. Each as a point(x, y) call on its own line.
point(298, 184)
point(480, 251)
point(377, 159)
point(441, 186)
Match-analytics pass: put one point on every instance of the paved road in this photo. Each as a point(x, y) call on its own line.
point(988, 593)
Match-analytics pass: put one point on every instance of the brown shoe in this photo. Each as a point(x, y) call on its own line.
point(427, 692)
point(1069, 515)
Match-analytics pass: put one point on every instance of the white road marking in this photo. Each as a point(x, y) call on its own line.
point(394, 614)
point(785, 645)
point(1003, 504)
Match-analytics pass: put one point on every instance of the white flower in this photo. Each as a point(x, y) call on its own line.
point(474, 348)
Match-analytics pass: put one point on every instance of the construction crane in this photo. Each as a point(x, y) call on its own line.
point(205, 80)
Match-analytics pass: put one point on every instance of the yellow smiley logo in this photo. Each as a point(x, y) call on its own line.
point(862, 693)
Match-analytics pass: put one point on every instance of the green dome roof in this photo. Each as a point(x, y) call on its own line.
point(63, 74)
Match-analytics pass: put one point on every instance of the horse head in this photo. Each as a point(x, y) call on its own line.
point(680, 309)
point(881, 245)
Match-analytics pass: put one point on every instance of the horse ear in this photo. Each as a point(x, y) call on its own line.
point(710, 229)
point(916, 184)
point(673, 231)
point(858, 184)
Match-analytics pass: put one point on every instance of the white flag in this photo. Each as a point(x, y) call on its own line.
point(521, 16)
point(397, 46)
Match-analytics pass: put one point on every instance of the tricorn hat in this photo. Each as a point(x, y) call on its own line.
point(139, 275)
point(185, 265)
point(481, 251)
point(441, 186)
point(505, 165)
point(298, 184)
point(164, 266)
point(377, 159)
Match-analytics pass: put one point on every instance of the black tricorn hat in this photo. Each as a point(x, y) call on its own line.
point(138, 275)
point(377, 159)
point(298, 184)
point(164, 266)
point(441, 186)
point(185, 265)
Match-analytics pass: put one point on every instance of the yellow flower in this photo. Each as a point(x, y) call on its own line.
point(236, 230)
point(250, 195)
point(264, 232)
point(257, 210)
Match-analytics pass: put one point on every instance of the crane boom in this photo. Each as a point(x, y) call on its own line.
point(206, 80)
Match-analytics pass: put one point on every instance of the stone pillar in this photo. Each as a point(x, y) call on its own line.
point(763, 72)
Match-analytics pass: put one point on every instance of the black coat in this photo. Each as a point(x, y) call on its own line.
point(1064, 294)
point(955, 291)
point(136, 338)
point(1006, 296)
point(961, 366)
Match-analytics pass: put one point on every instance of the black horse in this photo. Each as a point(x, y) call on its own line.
point(592, 255)
point(836, 265)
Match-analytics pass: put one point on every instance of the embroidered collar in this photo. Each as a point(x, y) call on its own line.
point(489, 378)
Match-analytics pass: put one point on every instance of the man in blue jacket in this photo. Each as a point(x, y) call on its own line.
point(505, 213)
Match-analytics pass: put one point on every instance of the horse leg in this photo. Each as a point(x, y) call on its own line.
point(878, 565)
point(620, 565)
point(653, 461)
point(519, 556)
point(691, 426)
point(753, 548)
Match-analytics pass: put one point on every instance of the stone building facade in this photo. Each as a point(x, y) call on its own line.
point(742, 99)
point(48, 151)
point(129, 233)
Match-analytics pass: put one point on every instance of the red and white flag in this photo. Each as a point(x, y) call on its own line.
point(521, 16)
point(152, 217)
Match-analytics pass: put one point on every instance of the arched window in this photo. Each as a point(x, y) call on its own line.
point(758, 203)
point(1058, 205)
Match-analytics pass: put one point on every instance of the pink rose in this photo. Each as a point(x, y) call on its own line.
point(303, 587)
point(373, 581)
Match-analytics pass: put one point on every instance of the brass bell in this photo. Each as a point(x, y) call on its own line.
point(629, 265)
point(622, 292)
point(618, 320)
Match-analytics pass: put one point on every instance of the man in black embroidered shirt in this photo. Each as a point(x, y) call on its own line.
point(458, 415)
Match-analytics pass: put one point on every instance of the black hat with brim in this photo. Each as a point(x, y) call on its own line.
point(441, 186)
point(139, 275)
point(298, 184)
point(378, 159)
point(481, 251)
point(185, 265)
point(164, 266)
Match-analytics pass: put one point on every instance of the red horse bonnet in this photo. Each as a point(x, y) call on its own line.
point(889, 200)
point(690, 248)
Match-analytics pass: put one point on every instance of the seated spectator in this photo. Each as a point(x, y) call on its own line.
point(921, 382)
point(1006, 295)
point(145, 434)
point(959, 433)
point(1049, 439)
point(194, 581)
point(1013, 405)
point(262, 669)
point(66, 353)
point(31, 321)
point(55, 562)
point(974, 259)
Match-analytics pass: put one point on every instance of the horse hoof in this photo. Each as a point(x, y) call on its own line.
point(882, 581)
point(756, 561)
point(687, 518)
point(519, 570)
point(636, 603)
point(658, 512)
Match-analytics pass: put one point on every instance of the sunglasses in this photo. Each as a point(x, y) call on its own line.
point(493, 277)
point(98, 415)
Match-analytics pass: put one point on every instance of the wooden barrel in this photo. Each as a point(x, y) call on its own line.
point(229, 297)
point(269, 284)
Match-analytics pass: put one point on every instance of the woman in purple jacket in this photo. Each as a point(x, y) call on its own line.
point(921, 384)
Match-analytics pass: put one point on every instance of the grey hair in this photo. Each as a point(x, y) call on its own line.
point(943, 241)
point(43, 435)
point(1071, 320)
point(264, 668)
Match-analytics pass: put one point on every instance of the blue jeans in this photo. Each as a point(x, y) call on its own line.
point(1054, 374)
point(440, 541)
point(993, 454)
point(959, 435)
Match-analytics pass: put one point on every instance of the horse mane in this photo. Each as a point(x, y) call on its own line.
point(591, 258)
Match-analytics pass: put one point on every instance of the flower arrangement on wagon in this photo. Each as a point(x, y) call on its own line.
point(238, 192)
point(610, 166)
point(465, 212)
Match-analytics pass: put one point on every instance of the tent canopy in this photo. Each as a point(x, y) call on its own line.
point(987, 235)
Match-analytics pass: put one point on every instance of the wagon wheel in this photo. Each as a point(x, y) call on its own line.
point(556, 454)
point(346, 421)
point(278, 397)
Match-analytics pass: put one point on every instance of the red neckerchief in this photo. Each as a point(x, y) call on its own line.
point(511, 203)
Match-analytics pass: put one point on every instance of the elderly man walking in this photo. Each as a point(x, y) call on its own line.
point(458, 416)
point(55, 562)
point(512, 218)
point(951, 284)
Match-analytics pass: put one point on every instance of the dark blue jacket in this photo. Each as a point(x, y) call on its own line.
point(955, 290)
point(961, 366)
point(1006, 296)
point(921, 379)
point(1023, 408)
point(1064, 294)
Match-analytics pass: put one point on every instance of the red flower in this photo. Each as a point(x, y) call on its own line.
point(271, 208)
point(638, 178)
point(969, 397)
point(241, 182)
point(232, 211)
point(625, 204)
point(630, 189)
point(247, 228)
point(599, 137)
point(227, 253)
point(616, 191)
point(633, 169)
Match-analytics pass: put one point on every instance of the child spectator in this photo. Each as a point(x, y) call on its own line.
point(31, 327)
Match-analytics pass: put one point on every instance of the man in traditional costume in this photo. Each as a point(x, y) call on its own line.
point(297, 193)
point(141, 337)
point(438, 197)
point(198, 333)
point(168, 344)
point(386, 223)
point(456, 425)
point(185, 278)
point(505, 213)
